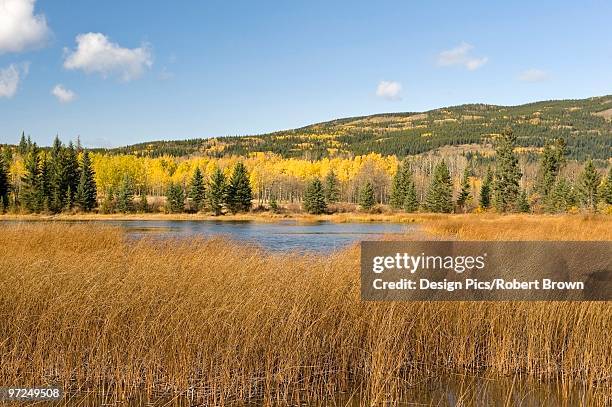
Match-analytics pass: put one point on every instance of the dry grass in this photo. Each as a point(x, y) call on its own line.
point(83, 307)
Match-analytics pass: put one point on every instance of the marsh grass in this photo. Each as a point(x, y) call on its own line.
point(219, 323)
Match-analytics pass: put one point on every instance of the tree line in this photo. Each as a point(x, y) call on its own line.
point(63, 178)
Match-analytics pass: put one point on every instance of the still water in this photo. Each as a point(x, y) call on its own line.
point(277, 236)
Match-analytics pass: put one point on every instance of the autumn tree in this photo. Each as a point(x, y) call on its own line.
point(439, 197)
point(216, 192)
point(314, 198)
point(506, 189)
point(197, 190)
point(239, 194)
point(86, 193)
point(588, 185)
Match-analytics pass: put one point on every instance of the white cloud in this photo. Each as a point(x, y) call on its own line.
point(96, 54)
point(389, 90)
point(62, 94)
point(461, 56)
point(10, 78)
point(20, 28)
point(533, 75)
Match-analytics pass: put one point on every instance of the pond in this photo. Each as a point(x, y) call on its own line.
point(285, 235)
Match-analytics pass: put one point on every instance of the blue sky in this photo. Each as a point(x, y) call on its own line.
point(117, 72)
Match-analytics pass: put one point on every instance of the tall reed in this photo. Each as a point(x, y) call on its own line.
point(87, 308)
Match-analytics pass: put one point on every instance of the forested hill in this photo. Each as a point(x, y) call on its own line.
point(585, 124)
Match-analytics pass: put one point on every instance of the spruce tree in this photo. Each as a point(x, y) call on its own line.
point(4, 185)
point(197, 190)
point(71, 170)
point(506, 188)
point(522, 204)
point(440, 194)
point(23, 145)
point(175, 198)
point(562, 197)
point(57, 177)
point(125, 195)
point(411, 202)
point(485, 190)
point(30, 182)
point(332, 191)
point(143, 204)
point(314, 198)
point(606, 190)
point(366, 196)
point(86, 194)
point(400, 185)
point(465, 195)
point(239, 194)
point(45, 183)
point(553, 158)
point(216, 192)
point(588, 185)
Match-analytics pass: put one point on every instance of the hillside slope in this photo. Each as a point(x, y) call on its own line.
point(586, 125)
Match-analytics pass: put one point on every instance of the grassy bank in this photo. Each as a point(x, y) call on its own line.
point(86, 309)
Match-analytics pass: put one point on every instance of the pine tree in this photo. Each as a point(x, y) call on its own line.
point(23, 145)
point(239, 194)
point(30, 189)
point(411, 202)
point(400, 185)
point(125, 195)
point(314, 198)
point(57, 177)
point(485, 190)
point(551, 163)
point(506, 188)
point(440, 194)
point(606, 190)
point(465, 195)
point(366, 196)
point(216, 192)
point(70, 163)
point(522, 204)
point(561, 197)
point(175, 198)
point(588, 185)
point(332, 192)
point(143, 204)
point(4, 185)
point(197, 191)
point(86, 194)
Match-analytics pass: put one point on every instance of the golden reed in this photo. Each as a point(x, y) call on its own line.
point(84, 307)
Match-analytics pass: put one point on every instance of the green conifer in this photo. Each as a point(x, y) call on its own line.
point(439, 197)
point(332, 191)
point(175, 198)
point(485, 190)
point(522, 202)
point(411, 202)
point(366, 196)
point(125, 195)
point(465, 195)
point(216, 192)
point(4, 185)
point(606, 190)
point(506, 188)
point(86, 194)
point(30, 182)
point(314, 198)
point(239, 194)
point(588, 185)
point(197, 191)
